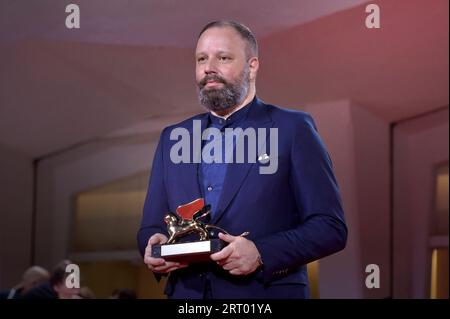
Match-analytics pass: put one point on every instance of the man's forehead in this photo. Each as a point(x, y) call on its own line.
point(220, 38)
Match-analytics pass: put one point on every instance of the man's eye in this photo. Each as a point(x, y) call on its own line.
point(224, 58)
point(202, 59)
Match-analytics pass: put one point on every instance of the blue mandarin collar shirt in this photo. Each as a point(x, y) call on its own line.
point(212, 175)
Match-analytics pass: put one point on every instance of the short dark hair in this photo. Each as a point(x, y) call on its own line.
point(59, 273)
point(243, 31)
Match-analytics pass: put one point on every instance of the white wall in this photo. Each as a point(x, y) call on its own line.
point(16, 175)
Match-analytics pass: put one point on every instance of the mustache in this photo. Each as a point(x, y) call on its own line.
point(211, 77)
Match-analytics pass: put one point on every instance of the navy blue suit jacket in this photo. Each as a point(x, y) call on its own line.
point(294, 216)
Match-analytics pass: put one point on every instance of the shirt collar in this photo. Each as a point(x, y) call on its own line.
point(233, 118)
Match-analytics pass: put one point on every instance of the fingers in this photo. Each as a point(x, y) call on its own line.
point(231, 265)
point(236, 267)
point(157, 239)
point(240, 257)
point(153, 261)
point(167, 267)
point(223, 254)
point(227, 237)
point(154, 240)
point(229, 249)
point(148, 259)
point(175, 267)
point(159, 265)
point(237, 272)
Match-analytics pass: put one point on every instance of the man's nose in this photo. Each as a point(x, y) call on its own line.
point(210, 67)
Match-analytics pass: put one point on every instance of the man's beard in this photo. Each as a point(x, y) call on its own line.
point(229, 96)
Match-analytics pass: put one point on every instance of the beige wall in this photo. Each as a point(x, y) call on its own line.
point(113, 157)
point(420, 145)
point(358, 143)
point(61, 177)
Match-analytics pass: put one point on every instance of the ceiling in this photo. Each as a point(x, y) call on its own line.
point(133, 60)
point(173, 23)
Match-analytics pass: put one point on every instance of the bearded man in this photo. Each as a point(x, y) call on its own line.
point(293, 214)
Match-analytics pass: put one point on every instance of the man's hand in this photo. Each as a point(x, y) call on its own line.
point(240, 257)
point(159, 265)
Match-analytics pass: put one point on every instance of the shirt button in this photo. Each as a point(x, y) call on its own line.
point(210, 188)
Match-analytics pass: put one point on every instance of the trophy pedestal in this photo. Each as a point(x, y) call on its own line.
point(189, 252)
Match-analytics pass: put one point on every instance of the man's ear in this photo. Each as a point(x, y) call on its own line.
point(253, 67)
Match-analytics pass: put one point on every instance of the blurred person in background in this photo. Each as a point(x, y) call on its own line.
point(55, 287)
point(32, 277)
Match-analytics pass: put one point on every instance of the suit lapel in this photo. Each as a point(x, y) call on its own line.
point(237, 172)
point(190, 171)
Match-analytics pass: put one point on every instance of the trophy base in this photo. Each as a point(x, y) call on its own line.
point(189, 252)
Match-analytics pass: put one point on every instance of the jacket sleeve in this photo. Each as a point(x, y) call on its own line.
point(322, 230)
point(156, 204)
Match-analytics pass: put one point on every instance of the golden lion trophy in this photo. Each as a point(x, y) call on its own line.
point(190, 238)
